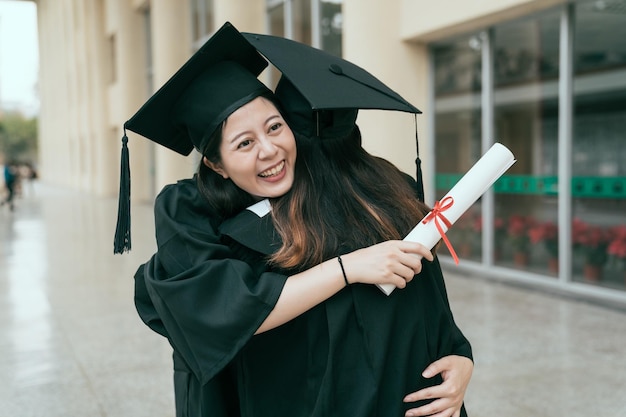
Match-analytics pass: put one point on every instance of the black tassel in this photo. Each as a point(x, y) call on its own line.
point(418, 167)
point(420, 183)
point(122, 231)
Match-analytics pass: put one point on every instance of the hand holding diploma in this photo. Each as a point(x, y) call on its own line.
point(495, 162)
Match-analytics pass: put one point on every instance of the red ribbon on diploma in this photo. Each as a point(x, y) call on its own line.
point(436, 214)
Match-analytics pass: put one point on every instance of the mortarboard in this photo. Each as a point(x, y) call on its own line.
point(333, 88)
point(202, 93)
point(327, 81)
point(326, 123)
point(218, 79)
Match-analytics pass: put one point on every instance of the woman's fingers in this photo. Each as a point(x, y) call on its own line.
point(456, 372)
point(436, 408)
point(415, 248)
point(392, 262)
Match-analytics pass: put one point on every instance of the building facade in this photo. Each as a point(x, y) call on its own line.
point(547, 78)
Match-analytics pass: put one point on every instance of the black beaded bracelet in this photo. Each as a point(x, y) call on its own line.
point(343, 271)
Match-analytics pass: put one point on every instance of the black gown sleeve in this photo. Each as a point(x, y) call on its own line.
point(143, 304)
point(206, 302)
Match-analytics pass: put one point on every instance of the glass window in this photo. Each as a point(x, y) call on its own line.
point(526, 58)
point(331, 22)
point(598, 168)
point(526, 119)
point(458, 130)
point(302, 31)
point(295, 19)
point(457, 66)
point(527, 51)
point(201, 19)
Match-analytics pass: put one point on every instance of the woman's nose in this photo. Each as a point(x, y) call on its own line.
point(267, 149)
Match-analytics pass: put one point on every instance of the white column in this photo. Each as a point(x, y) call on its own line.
point(245, 15)
point(124, 31)
point(171, 48)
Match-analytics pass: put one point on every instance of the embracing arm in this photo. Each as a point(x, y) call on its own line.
point(392, 262)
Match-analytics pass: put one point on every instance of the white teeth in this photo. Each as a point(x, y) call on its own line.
point(273, 171)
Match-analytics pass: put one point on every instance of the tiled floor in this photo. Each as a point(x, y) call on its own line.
point(72, 345)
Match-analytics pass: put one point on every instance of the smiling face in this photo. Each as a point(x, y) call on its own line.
point(258, 150)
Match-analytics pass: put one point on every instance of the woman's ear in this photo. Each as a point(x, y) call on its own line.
point(215, 167)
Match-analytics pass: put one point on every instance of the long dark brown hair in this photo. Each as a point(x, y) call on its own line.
point(342, 199)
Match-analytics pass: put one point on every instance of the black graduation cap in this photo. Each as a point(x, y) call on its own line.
point(218, 79)
point(328, 84)
point(325, 123)
point(202, 93)
point(327, 81)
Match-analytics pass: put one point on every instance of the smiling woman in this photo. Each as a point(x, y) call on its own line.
point(258, 150)
point(19, 60)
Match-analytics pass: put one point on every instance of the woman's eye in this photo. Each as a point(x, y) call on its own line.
point(275, 126)
point(244, 143)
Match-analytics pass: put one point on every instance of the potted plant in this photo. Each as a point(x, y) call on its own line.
point(477, 232)
point(499, 231)
point(463, 232)
point(548, 234)
point(517, 231)
point(499, 234)
point(592, 242)
point(616, 249)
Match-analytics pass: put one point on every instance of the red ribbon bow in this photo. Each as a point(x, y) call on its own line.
point(436, 214)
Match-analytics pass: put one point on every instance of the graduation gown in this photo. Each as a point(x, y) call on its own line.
point(357, 354)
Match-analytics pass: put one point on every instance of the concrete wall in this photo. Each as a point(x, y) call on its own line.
point(431, 20)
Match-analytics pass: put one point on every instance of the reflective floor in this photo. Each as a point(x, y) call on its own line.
point(72, 345)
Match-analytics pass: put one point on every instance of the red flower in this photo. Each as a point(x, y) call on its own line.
point(543, 232)
point(499, 230)
point(517, 225)
point(478, 224)
point(593, 237)
point(517, 230)
point(548, 234)
point(592, 240)
point(617, 246)
point(535, 234)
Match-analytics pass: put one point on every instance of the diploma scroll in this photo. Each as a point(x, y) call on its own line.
point(459, 199)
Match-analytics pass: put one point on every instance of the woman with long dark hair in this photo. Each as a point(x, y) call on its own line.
point(276, 314)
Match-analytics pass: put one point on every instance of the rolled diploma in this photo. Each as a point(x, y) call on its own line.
point(470, 187)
